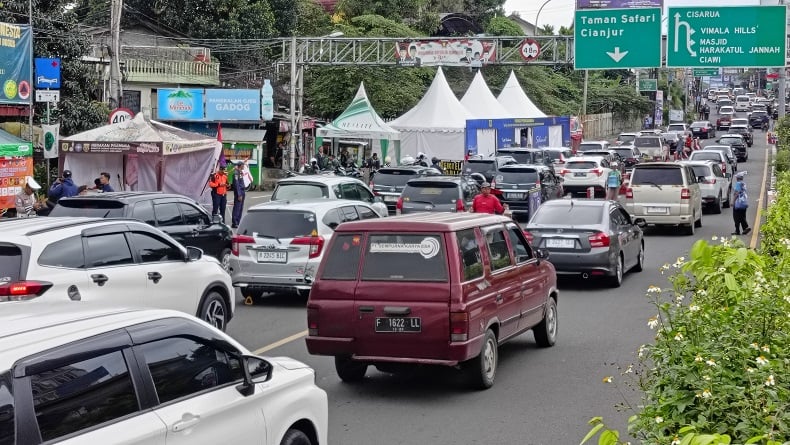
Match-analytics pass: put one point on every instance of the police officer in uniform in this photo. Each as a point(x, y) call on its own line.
point(26, 203)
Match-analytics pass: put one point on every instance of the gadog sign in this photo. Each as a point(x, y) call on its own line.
point(233, 105)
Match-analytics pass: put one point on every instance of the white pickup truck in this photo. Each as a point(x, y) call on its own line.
point(651, 147)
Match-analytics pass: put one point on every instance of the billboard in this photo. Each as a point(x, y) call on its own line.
point(233, 105)
point(12, 178)
point(15, 56)
point(613, 4)
point(179, 104)
point(445, 52)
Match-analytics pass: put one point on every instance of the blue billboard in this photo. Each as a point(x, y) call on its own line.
point(507, 129)
point(233, 105)
point(15, 54)
point(180, 104)
point(47, 72)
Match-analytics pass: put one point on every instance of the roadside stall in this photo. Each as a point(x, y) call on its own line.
point(143, 155)
point(16, 162)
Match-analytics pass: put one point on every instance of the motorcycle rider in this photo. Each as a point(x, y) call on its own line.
point(421, 159)
point(435, 163)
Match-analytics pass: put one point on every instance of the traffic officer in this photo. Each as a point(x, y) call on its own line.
point(485, 202)
point(218, 181)
point(239, 193)
point(26, 203)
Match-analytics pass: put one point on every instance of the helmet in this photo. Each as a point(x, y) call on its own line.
point(420, 155)
point(408, 160)
point(313, 161)
point(435, 160)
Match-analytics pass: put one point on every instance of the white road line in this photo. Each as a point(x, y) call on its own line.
point(279, 343)
point(758, 213)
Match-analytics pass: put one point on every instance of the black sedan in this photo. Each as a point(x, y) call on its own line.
point(703, 130)
point(591, 238)
point(758, 119)
point(737, 144)
point(515, 183)
point(744, 131)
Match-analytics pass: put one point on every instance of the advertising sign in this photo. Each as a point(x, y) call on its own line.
point(601, 4)
point(233, 105)
point(617, 38)
point(648, 84)
point(179, 104)
point(658, 121)
point(445, 52)
point(110, 147)
point(15, 48)
point(47, 72)
point(12, 178)
point(51, 140)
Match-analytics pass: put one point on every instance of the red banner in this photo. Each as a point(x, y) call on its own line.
point(12, 178)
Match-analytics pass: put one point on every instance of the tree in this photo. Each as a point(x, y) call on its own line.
point(390, 9)
point(58, 34)
point(286, 13)
point(503, 26)
point(546, 29)
point(312, 20)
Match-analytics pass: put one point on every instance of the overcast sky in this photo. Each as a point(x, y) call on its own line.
point(560, 12)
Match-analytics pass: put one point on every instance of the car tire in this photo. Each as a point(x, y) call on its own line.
point(698, 223)
point(295, 437)
point(546, 331)
point(214, 311)
point(717, 205)
point(348, 370)
point(616, 280)
point(224, 259)
point(640, 258)
point(727, 203)
point(690, 228)
point(481, 370)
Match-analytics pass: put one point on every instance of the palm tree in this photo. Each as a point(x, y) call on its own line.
point(546, 30)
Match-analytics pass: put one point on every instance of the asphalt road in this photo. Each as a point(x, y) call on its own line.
point(541, 396)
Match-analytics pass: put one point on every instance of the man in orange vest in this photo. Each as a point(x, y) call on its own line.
point(218, 181)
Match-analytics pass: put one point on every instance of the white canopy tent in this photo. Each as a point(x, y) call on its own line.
point(482, 104)
point(436, 125)
point(360, 121)
point(515, 100)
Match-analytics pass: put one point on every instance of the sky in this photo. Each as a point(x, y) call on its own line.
point(560, 12)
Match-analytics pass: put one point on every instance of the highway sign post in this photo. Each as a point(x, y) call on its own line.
point(733, 36)
point(648, 84)
point(617, 38)
point(706, 72)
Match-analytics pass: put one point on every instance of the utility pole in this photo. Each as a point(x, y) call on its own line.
point(294, 86)
point(116, 91)
point(30, 108)
point(782, 91)
point(584, 94)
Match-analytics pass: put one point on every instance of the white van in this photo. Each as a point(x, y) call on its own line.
point(742, 103)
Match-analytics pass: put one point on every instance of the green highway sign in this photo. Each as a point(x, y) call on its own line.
point(617, 38)
point(648, 84)
point(706, 72)
point(734, 36)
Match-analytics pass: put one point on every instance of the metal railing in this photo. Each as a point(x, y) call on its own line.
point(171, 71)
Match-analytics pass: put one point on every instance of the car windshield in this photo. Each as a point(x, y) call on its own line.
point(400, 257)
point(10, 263)
point(759, 113)
point(473, 166)
point(518, 176)
point(711, 155)
point(299, 190)
point(277, 223)
point(625, 138)
point(728, 110)
point(394, 177)
point(568, 214)
point(657, 176)
point(557, 154)
point(432, 192)
point(581, 165)
point(95, 208)
point(730, 140)
point(739, 129)
point(740, 121)
point(647, 142)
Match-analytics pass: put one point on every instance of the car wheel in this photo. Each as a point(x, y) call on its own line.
point(640, 259)
point(690, 228)
point(214, 311)
point(726, 203)
point(698, 223)
point(717, 204)
point(546, 331)
point(617, 279)
point(295, 437)
point(481, 370)
point(348, 370)
point(224, 259)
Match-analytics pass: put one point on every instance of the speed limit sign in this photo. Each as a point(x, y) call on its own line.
point(120, 115)
point(530, 50)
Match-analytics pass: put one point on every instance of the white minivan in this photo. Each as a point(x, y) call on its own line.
point(742, 103)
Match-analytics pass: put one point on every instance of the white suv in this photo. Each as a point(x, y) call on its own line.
point(327, 187)
point(113, 260)
point(82, 373)
point(665, 193)
point(583, 172)
point(715, 187)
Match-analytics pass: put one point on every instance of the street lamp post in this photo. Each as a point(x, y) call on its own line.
point(537, 17)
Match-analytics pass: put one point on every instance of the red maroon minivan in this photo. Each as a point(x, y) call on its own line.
point(430, 288)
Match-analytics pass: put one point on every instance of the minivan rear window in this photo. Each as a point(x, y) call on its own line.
point(271, 223)
point(647, 142)
point(518, 176)
point(431, 192)
point(393, 178)
point(579, 214)
point(342, 262)
point(479, 166)
point(398, 257)
point(295, 191)
point(701, 170)
point(10, 263)
point(93, 208)
point(581, 165)
point(657, 176)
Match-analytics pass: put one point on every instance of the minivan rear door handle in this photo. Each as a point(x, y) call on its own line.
point(499, 298)
point(397, 310)
point(99, 279)
point(366, 309)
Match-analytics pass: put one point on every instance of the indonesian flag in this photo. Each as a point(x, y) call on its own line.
point(222, 161)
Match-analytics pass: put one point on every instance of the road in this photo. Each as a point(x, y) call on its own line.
point(541, 396)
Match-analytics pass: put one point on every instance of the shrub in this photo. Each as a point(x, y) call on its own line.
point(783, 133)
point(782, 162)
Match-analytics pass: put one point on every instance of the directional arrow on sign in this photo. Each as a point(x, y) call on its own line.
point(617, 55)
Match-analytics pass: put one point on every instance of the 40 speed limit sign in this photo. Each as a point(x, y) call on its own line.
point(121, 115)
point(530, 50)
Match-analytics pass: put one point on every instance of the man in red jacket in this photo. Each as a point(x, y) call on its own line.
point(486, 202)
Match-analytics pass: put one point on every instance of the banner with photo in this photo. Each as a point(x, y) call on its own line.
point(615, 4)
point(445, 52)
point(12, 178)
point(15, 55)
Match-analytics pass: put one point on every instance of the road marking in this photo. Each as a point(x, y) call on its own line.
point(758, 213)
point(279, 343)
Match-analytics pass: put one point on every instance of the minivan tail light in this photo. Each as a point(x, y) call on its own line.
point(564, 171)
point(599, 239)
point(237, 241)
point(23, 290)
point(316, 244)
point(459, 205)
point(399, 206)
point(685, 193)
point(629, 193)
point(710, 180)
point(724, 167)
point(597, 171)
point(312, 321)
point(459, 326)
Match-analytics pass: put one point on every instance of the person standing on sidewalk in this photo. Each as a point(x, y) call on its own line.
point(218, 181)
point(740, 204)
point(613, 182)
point(239, 193)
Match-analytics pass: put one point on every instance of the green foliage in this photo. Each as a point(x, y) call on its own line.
point(777, 224)
point(503, 26)
point(376, 25)
point(286, 13)
point(782, 162)
point(391, 9)
point(312, 20)
point(614, 96)
point(783, 133)
point(480, 10)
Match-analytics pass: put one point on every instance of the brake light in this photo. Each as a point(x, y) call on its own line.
point(459, 205)
point(528, 235)
point(599, 239)
point(23, 290)
point(399, 206)
point(237, 241)
point(629, 193)
point(623, 190)
point(459, 326)
point(564, 171)
point(312, 321)
point(316, 244)
point(597, 171)
point(685, 193)
point(704, 130)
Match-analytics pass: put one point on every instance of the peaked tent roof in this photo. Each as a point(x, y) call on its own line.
point(359, 120)
point(481, 103)
point(438, 110)
point(516, 101)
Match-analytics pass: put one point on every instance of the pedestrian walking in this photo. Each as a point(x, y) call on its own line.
point(239, 193)
point(485, 202)
point(25, 201)
point(218, 181)
point(613, 182)
point(740, 204)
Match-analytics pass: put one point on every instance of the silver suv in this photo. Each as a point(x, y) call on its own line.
point(665, 193)
point(327, 187)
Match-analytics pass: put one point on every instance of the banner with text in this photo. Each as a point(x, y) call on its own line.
point(233, 105)
point(12, 178)
point(179, 104)
point(445, 52)
point(15, 48)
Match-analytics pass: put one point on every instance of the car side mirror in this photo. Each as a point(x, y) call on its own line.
point(216, 219)
point(542, 254)
point(194, 253)
point(640, 222)
point(377, 199)
point(255, 370)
